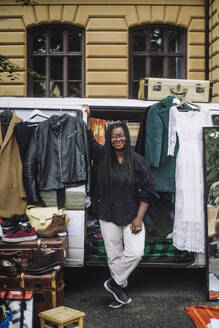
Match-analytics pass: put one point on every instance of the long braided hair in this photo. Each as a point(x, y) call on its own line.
point(105, 170)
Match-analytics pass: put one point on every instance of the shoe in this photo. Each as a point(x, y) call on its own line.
point(21, 264)
point(7, 268)
point(115, 305)
point(14, 220)
point(40, 273)
point(57, 226)
point(117, 291)
point(19, 233)
point(45, 260)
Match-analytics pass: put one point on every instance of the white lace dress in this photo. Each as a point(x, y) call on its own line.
point(188, 230)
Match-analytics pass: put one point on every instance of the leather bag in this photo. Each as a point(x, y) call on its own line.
point(41, 217)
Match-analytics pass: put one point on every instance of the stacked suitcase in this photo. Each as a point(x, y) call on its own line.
point(159, 88)
point(48, 288)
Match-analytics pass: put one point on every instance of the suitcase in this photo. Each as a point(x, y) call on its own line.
point(29, 249)
point(157, 89)
point(48, 290)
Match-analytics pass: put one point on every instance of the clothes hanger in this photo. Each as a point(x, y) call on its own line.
point(34, 113)
point(186, 101)
point(7, 113)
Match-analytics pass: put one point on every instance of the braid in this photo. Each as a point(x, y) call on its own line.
point(105, 171)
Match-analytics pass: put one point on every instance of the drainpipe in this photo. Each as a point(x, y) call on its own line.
point(206, 39)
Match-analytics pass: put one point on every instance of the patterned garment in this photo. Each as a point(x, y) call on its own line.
point(189, 223)
point(201, 315)
point(160, 251)
point(98, 129)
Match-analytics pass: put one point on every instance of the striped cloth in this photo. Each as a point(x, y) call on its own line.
point(213, 295)
point(202, 314)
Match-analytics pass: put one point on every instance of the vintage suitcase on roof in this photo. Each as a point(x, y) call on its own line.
point(48, 289)
point(29, 249)
point(157, 89)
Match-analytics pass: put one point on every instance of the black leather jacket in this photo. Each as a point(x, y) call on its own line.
point(57, 156)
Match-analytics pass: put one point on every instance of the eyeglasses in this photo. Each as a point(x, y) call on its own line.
point(118, 136)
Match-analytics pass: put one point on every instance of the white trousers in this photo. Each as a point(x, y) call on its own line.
point(124, 250)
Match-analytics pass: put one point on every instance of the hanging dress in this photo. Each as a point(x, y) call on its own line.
point(188, 230)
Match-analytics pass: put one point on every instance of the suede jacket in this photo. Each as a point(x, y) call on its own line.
point(57, 156)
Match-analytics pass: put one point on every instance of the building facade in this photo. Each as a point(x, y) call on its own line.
point(101, 48)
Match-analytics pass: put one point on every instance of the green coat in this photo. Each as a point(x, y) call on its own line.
point(156, 145)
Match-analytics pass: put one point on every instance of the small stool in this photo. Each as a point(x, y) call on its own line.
point(61, 317)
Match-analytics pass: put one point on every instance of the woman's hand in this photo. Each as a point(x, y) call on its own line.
point(87, 109)
point(136, 225)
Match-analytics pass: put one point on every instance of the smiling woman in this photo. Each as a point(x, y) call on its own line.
point(124, 189)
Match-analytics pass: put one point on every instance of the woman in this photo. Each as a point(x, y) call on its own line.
point(123, 187)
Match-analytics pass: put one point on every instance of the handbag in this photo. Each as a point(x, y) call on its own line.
point(41, 217)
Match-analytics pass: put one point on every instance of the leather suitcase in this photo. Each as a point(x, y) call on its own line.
point(48, 290)
point(157, 89)
point(29, 249)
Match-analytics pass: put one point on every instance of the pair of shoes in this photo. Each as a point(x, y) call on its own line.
point(58, 226)
point(19, 233)
point(21, 264)
point(45, 262)
point(14, 220)
point(7, 268)
point(120, 295)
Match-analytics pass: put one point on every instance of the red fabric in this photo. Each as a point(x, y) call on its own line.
point(17, 294)
point(213, 295)
point(202, 314)
point(98, 129)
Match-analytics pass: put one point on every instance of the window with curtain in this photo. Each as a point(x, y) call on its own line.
point(56, 61)
point(156, 51)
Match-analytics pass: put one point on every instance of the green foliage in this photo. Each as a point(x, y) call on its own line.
point(212, 155)
point(37, 76)
point(7, 66)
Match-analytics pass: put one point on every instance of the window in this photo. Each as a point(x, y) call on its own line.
point(56, 61)
point(156, 51)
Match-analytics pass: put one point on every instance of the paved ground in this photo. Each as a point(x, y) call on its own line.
point(159, 297)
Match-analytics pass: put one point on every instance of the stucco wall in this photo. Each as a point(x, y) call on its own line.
point(106, 28)
point(214, 49)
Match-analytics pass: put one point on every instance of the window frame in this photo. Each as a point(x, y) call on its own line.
point(48, 54)
point(148, 54)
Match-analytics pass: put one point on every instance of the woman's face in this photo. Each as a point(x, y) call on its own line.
point(118, 138)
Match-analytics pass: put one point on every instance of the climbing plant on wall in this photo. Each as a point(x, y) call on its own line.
point(6, 65)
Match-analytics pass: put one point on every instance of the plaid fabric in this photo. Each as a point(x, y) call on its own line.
point(202, 314)
point(163, 250)
point(160, 250)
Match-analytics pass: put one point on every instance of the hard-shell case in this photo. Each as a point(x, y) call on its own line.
point(48, 289)
point(159, 88)
point(29, 249)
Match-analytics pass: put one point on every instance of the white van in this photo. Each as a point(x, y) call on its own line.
point(78, 253)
